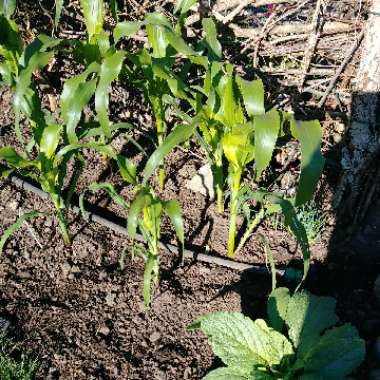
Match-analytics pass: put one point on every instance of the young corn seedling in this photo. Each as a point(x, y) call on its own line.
point(145, 214)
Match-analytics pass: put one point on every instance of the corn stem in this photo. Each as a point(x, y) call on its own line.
point(63, 226)
point(160, 137)
point(236, 178)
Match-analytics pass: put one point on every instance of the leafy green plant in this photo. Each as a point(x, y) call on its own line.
point(11, 368)
point(298, 342)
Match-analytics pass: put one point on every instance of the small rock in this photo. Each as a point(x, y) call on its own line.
point(48, 222)
point(4, 326)
point(24, 275)
point(75, 269)
point(13, 205)
point(66, 268)
point(337, 138)
point(154, 337)
point(203, 182)
point(104, 330)
point(110, 299)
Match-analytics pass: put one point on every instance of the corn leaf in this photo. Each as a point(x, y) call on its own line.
point(126, 29)
point(211, 39)
point(267, 128)
point(15, 226)
point(297, 228)
point(183, 6)
point(179, 44)
point(58, 11)
point(13, 159)
point(134, 212)
point(173, 210)
point(253, 95)
point(114, 9)
point(7, 7)
point(127, 169)
point(84, 92)
point(180, 134)
point(309, 133)
point(111, 191)
point(109, 71)
point(158, 40)
point(50, 139)
point(93, 11)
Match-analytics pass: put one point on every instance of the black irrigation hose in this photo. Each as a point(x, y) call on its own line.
point(169, 247)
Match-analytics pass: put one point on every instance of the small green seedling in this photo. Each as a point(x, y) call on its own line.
point(145, 214)
point(297, 342)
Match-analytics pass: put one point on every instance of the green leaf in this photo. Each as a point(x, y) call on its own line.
point(253, 96)
point(93, 11)
point(243, 344)
point(127, 169)
point(267, 128)
point(158, 41)
point(109, 71)
point(126, 29)
point(183, 6)
point(84, 92)
point(134, 212)
point(307, 316)
point(12, 158)
point(114, 9)
point(211, 39)
point(179, 44)
point(7, 7)
point(15, 226)
point(337, 353)
point(150, 268)
point(58, 12)
point(277, 307)
point(111, 191)
point(309, 133)
point(173, 210)
point(179, 135)
point(50, 139)
point(224, 373)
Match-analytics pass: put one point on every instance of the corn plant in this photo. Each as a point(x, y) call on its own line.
point(152, 69)
point(299, 341)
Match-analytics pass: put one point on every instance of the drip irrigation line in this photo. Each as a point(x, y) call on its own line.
point(116, 227)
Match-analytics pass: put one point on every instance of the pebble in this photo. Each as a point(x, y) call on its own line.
point(4, 326)
point(154, 337)
point(104, 330)
point(202, 182)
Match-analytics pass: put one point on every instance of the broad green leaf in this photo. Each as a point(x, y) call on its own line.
point(173, 210)
point(13, 159)
point(127, 169)
point(15, 226)
point(50, 139)
point(84, 92)
point(243, 344)
point(183, 6)
point(134, 212)
point(309, 133)
point(224, 373)
point(267, 128)
point(126, 29)
point(307, 316)
point(211, 39)
point(337, 353)
point(7, 7)
point(109, 71)
point(93, 11)
point(58, 12)
point(157, 19)
point(179, 135)
point(253, 95)
point(277, 307)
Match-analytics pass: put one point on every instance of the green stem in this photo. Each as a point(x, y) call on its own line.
point(252, 225)
point(160, 137)
point(63, 226)
point(236, 177)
